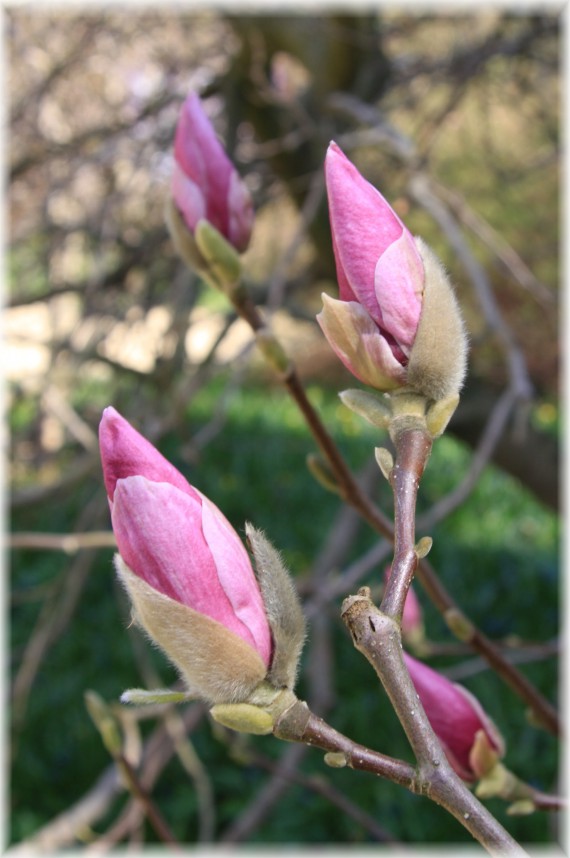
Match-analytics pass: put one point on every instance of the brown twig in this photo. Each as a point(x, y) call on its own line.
point(69, 543)
point(322, 787)
point(299, 724)
point(413, 447)
point(266, 798)
point(152, 813)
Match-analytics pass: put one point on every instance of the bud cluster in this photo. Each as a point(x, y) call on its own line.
point(236, 634)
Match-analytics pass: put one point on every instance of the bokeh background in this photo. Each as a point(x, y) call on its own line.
point(456, 119)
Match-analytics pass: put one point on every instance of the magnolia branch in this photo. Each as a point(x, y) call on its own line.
point(413, 447)
point(377, 637)
point(352, 494)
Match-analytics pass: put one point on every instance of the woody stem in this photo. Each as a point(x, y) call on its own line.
point(413, 447)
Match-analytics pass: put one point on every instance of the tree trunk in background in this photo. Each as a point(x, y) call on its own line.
point(339, 53)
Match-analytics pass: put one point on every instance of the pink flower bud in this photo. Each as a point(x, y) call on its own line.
point(385, 277)
point(457, 718)
point(178, 542)
point(205, 184)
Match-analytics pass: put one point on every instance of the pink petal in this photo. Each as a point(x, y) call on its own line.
point(240, 213)
point(363, 224)
point(124, 453)
point(236, 577)
point(160, 538)
point(398, 284)
point(188, 197)
point(451, 713)
point(356, 340)
point(203, 159)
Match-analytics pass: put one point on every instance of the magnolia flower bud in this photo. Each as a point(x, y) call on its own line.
point(397, 322)
point(205, 183)
point(471, 741)
point(189, 576)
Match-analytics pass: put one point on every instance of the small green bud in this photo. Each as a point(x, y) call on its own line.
point(243, 717)
point(499, 781)
point(223, 260)
point(183, 239)
point(458, 623)
point(272, 350)
point(385, 461)
point(336, 759)
point(374, 409)
point(522, 807)
point(533, 718)
point(423, 546)
point(142, 697)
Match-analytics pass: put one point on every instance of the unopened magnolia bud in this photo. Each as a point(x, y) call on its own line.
point(186, 571)
point(282, 607)
point(456, 717)
point(423, 546)
point(205, 183)
point(396, 323)
point(377, 411)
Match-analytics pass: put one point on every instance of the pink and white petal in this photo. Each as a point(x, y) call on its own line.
point(451, 714)
point(203, 159)
point(188, 197)
point(363, 223)
point(126, 453)
point(398, 283)
point(152, 523)
point(464, 772)
point(357, 341)
point(345, 292)
point(160, 538)
point(240, 213)
point(237, 579)
point(487, 724)
point(195, 141)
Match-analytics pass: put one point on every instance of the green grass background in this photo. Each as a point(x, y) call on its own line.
point(497, 554)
